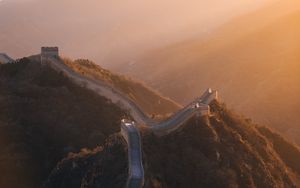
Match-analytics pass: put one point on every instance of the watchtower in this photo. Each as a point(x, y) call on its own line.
point(49, 52)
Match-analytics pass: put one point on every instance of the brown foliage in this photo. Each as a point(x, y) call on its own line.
point(223, 150)
point(43, 117)
point(105, 168)
point(148, 99)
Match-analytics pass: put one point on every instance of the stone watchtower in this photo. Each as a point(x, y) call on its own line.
point(48, 52)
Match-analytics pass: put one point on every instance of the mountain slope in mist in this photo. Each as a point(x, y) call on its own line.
point(146, 98)
point(254, 62)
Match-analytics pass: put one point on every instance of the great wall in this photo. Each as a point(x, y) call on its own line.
point(130, 129)
point(4, 58)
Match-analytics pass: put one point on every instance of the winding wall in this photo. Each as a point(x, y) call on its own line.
point(200, 107)
point(135, 166)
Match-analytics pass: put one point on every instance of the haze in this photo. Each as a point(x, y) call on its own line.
point(253, 61)
point(105, 31)
point(161, 43)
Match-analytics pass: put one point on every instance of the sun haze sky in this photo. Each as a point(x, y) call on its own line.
point(99, 29)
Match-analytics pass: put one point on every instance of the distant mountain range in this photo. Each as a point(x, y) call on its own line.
point(254, 61)
point(55, 132)
point(105, 31)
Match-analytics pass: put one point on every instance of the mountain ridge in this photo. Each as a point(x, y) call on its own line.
point(217, 140)
point(223, 150)
point(43, 117)
point(149, 100)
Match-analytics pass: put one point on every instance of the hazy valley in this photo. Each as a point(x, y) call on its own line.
point(254, 62)
point(149, 94)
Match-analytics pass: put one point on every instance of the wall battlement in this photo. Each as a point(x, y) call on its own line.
point(50, 51)
point(47, 53)
point(208, 96)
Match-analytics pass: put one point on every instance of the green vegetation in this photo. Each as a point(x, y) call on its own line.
point(43, 117)
point(150, 101)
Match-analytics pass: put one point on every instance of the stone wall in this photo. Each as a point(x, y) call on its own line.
point(5, 58)
point(50, 51)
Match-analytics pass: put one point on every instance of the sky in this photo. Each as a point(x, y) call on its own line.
point(104, 30)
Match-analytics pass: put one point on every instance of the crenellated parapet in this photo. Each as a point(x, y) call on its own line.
point(199, 107)
point(203, 110)
point(208, 96)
